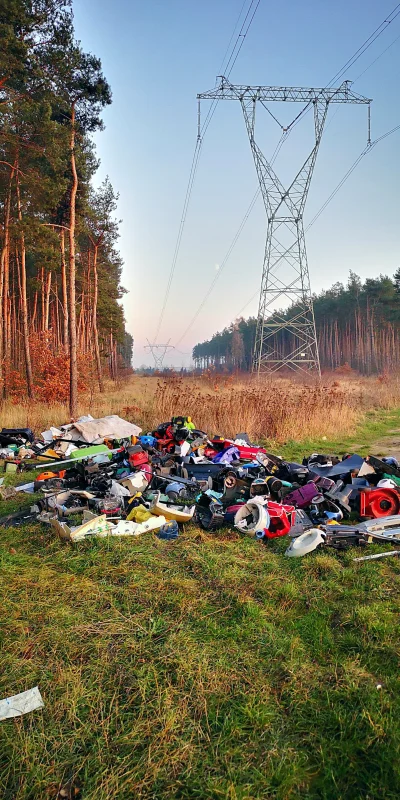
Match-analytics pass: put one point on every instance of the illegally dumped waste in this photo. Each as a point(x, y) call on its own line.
point(305, 543)
point(101, 477)
point(99, 526)
point(22, 703)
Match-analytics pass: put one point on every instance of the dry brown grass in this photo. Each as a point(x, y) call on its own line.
point(276, 409)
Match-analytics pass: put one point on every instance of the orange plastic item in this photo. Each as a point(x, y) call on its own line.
point(45, 476)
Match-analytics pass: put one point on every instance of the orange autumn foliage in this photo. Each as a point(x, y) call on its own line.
point(50, 372)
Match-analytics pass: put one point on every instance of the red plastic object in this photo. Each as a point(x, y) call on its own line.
point(137, 459)
point(209, 452)
point(245, 453)
point(166, 445)
point(148, 471)
point(379, 502)
point(282, 519)
point(249, 453)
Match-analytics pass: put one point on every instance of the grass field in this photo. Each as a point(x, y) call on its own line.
point(276, 411)
point(210, 667)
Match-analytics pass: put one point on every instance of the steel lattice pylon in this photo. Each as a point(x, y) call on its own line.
point(158, 352)
point(284, 339)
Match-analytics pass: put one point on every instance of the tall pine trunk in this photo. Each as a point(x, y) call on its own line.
point(47, 302)
point(24, 303)
point(94, 319)
point(4, 278)
point(73, 385)
point(42, 298)
point(64, 292)
point(33, 320)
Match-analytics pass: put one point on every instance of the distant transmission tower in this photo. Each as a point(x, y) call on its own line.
point(158, 352)
point(285, 339)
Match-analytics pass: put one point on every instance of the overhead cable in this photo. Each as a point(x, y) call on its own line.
point(358, 53)
point(349, 63)
point(241, 37)
point(192, 175)
point(229, 49)
point(332, 195)
point(232, 245)
point(196, 155)
point(368, 42)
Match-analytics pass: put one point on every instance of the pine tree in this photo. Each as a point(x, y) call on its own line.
point(83, 92)
point(51, 96)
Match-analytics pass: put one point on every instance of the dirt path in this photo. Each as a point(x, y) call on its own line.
point(388, 445)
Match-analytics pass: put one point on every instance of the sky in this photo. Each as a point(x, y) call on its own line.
point(158, 55)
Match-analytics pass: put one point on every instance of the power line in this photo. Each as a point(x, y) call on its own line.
point(225, 63)
point(377, 58)
point(348, 173)
point(241, 38)
point(332, 195)
point(340, 184)
point(228, 49)
point(368, 42)
point(232, 245)
point(196, 155)
point(193, 170)
point(389, 133)
point(352, 60)
point(332, 116)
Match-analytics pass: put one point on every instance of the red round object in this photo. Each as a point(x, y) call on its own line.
point(384, 503)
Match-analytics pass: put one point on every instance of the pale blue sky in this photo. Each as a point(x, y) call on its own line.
point(157, 55)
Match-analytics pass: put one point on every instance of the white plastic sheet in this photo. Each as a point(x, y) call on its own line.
point(19, 704)
point(96, 430)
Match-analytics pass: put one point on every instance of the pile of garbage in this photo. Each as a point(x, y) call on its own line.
point(119, 482)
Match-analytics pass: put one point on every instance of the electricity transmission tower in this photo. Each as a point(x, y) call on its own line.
point(285, 339)
point(158, 352)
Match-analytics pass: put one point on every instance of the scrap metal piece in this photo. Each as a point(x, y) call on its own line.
point(391, 523)
point(353, 462)
point(378, 555)
point(341, 495)
point(383, 466)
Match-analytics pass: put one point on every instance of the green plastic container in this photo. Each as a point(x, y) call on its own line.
point(11, 466)
point(88, 452)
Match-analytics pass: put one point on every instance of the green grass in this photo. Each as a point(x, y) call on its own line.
point(375, 425)
point(209, 667)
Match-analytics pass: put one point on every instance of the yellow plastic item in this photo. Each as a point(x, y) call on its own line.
point(139, 514)
point(178, 513)
point(50, 453)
